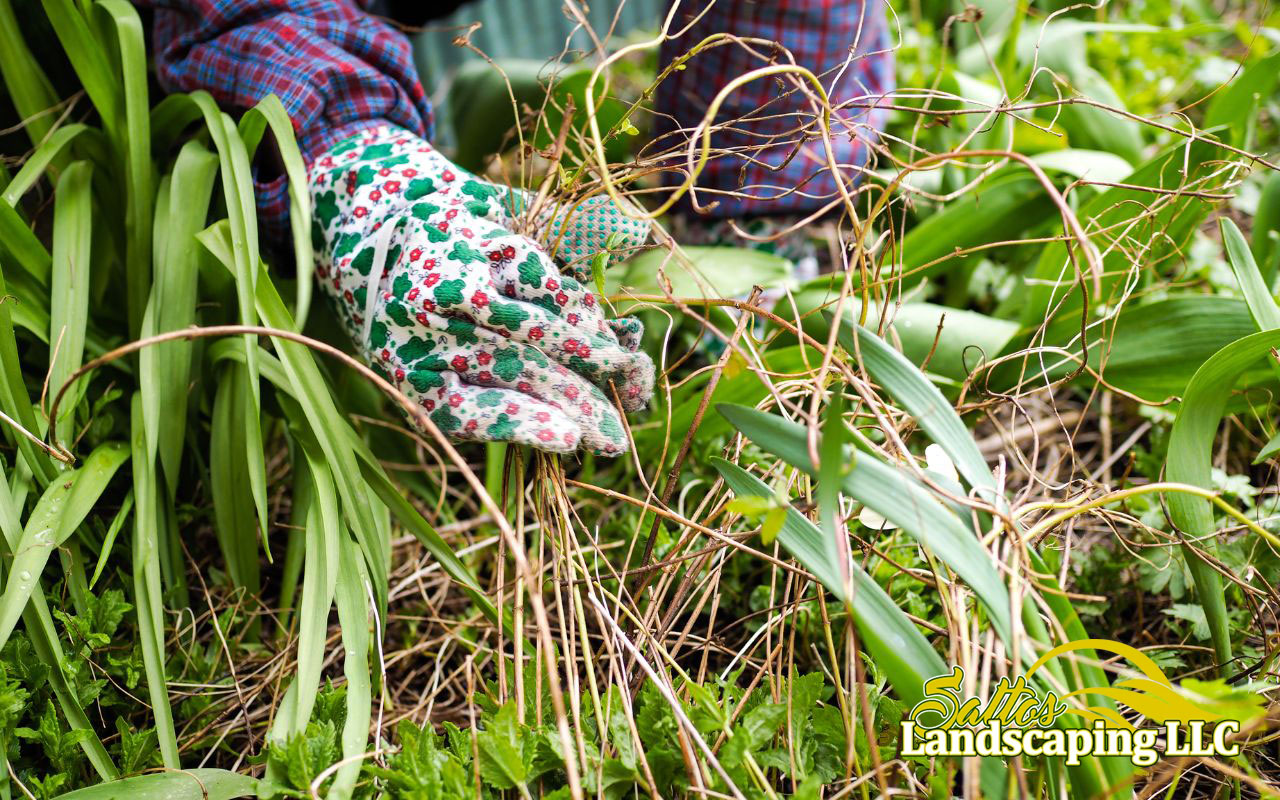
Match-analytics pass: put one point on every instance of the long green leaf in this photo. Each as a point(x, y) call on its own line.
point(1150, 350)
point(14, 400)
point(69, 312)
point(270, 112)
point(36, 164)
point(22, 246)
point(131, 135)
point(319, 579)
point(353, 616)
point(893, 640)
point(1116, 211)
point(1001, 208)
point(372, 473)
point(1189, 461)
point(189, 784)
point(831, 470)
point(38, 623)
point(1236, 106)
point(87, 57)
point(29, 88)
point(242, 251)
point(413, 521)
point(313, 394)
point(60, 511)
point(1266, 228)
point(1262, 306)
point(108, 541)
point(890, 493)
point(923, 401)
point(147, 588)
point(930, 409)
point(1197, 421)
point(233, 516)
point(166, 368)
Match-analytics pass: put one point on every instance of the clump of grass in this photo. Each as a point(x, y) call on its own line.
point(230, 566)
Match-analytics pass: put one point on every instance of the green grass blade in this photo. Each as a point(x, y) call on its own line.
point(892, 494)
point(295, 547)
point(21, 245)
point(1150, 350)
point(923, 401)
point(147, 589)
point(1189, 461)
point(893, 640)
point(69, 312)
point(61, 509)
point(312, 392)
point(39, 160)
point(1002, 207)
point(413, 521)
point(1237, 104)
point(131, 137)
point(1266, 228)
point(233, 516)
point(38, 623)
point(831, 471)
point(190, 784)
point(88, 59)
point(353, 617)
point(1262, 306)
point(319, 578)
point(1054, 287)
point(1253, 285)
point(14, 400)
point(375, 477)
point(170, 119)
point(242, 249)
point(22, 581)
point(920, 398)
point(29, 87)
point(109, 541)
point(166, 368)
point(270, 112)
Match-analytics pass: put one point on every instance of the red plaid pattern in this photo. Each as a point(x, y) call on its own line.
point(337, 69)
point(845, 42)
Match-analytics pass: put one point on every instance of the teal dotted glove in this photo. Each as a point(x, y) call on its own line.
point(473, 322)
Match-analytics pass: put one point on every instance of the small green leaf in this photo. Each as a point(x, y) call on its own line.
point(772, 524)
point(750, 505)
point(502, 756)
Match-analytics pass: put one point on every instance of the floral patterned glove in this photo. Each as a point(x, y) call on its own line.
point(470, 320)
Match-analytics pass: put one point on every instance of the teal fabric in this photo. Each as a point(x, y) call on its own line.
point(534, 29)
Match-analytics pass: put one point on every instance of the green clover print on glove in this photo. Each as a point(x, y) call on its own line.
point(473, 322)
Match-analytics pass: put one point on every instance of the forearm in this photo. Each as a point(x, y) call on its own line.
point(337, 70)
point(776, 162)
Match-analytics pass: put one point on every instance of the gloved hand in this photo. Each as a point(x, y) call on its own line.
point(470, 320)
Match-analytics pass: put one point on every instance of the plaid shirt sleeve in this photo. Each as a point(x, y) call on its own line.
point(337, 69)
point(764, 154)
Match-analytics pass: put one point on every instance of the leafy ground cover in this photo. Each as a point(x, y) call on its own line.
point(1033, 404)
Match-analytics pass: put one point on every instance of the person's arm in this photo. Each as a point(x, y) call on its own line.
point(337, 69)
point(845, 43)
point(472, 321)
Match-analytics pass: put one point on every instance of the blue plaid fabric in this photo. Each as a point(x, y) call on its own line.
point(337, 69)
point(771, 157)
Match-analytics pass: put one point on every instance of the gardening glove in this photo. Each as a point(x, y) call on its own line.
point(472, 321)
